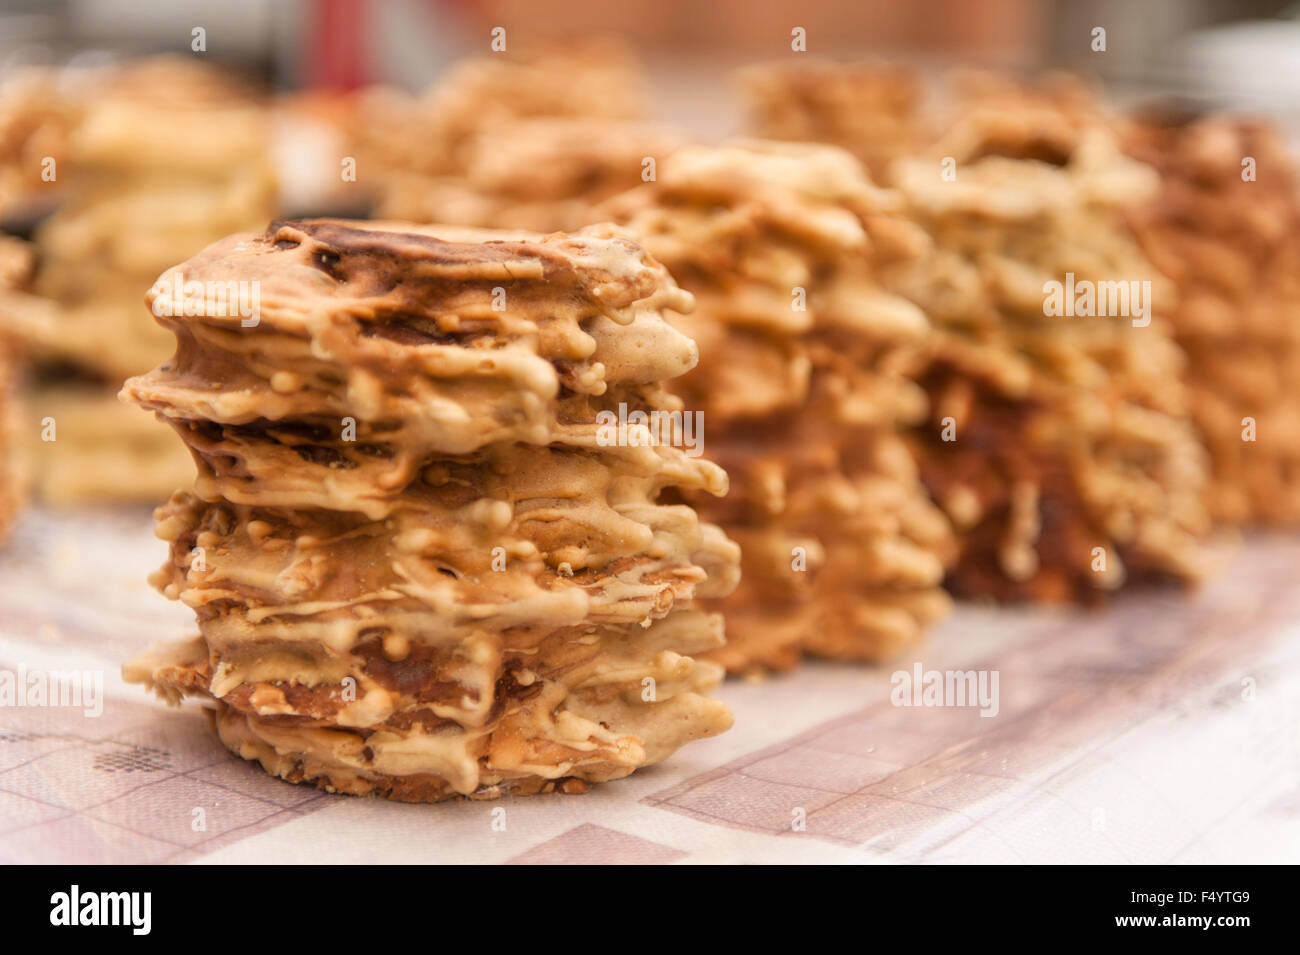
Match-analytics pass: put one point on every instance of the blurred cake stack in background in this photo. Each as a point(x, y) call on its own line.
point(167, 155)
point(422, 566)
point(869, 109)
point(1226, 229)
point(477, 140)
point(38, 110)
point(1058, 442)
point(539, 175)
point(801, 394)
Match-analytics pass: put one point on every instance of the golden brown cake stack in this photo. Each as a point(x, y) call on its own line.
point(1060, 446)
point(541, 175)
point(1059, 443)
point(405, 142)
point(801, 393)
point(867, 108)
point(168, 156)
point(1232, 247)
point(422, 565)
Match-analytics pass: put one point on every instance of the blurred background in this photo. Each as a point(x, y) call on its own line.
point(1224, 52)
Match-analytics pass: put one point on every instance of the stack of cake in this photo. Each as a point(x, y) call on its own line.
point(542, 175)
point(403, 142)
point(427, 547)
point(1226, 229)
point(867, 108)
point(168, 156)
point(1059, 441)
point(800, 388)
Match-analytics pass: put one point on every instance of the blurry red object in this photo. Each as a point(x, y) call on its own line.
point(335, 56)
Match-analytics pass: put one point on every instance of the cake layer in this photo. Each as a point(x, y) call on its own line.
point(307, 463)
point(447, 345)
point(528, 535)
point(510, 710)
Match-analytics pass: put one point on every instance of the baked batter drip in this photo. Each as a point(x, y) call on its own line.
point(800, 382)
point(419, 566)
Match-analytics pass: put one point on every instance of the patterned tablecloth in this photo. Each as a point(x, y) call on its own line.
point(1163, 729)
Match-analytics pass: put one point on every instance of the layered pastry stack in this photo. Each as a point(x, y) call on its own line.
point(1059, 441)
point(541, 175)
point(1226, 229)
point(408, 145)
point(168, 156)
point(868, 109)
point(1059, 444)
point(423, 562)
point(800, 388)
